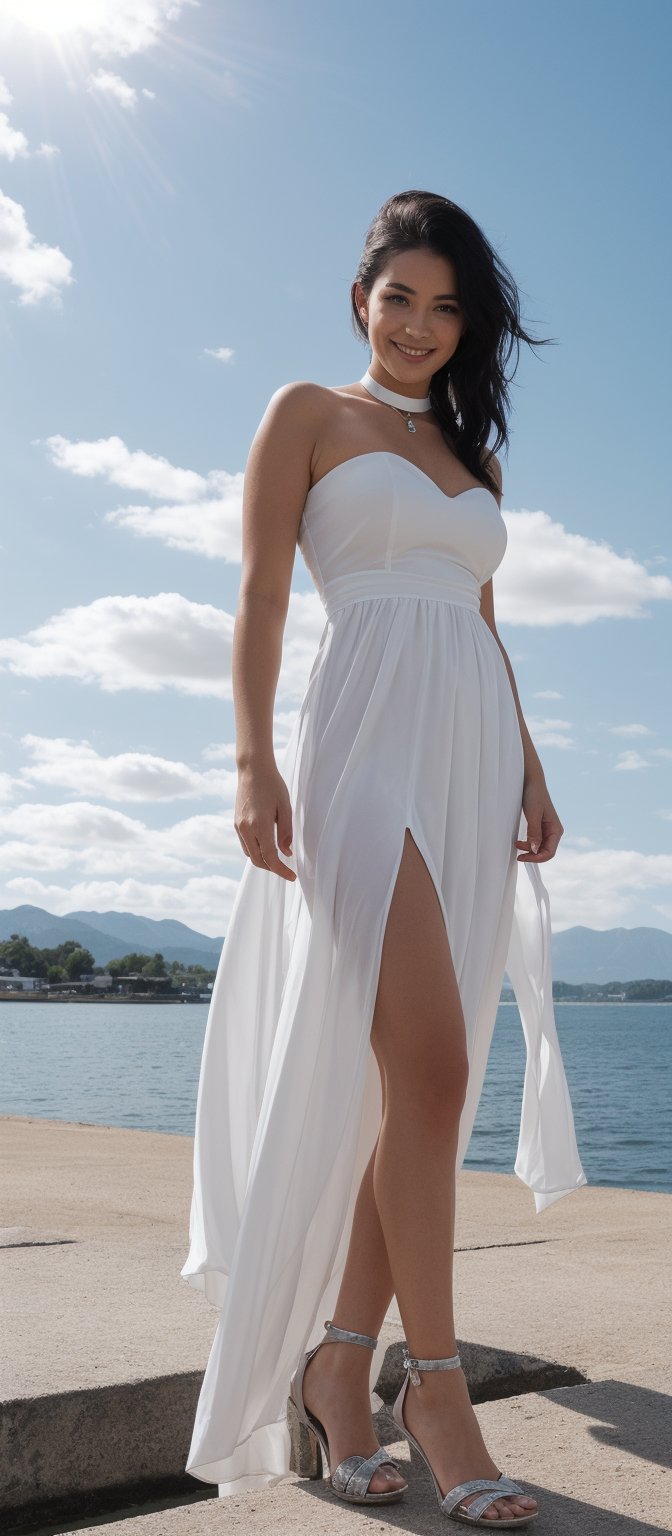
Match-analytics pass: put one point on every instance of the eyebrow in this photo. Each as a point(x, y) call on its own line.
point(406, 289)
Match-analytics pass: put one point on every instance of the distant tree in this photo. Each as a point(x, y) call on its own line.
point(154, 967)
point(18, 954)
point(127, 965)
point(77, 961)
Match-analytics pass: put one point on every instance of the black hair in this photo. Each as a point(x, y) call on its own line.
point(469, 394)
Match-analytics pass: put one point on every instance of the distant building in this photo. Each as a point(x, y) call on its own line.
point(16, 983)
point(137, 983)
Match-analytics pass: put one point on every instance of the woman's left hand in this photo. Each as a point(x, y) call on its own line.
point(544, 827)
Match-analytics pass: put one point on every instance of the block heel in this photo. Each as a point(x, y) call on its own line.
point(310, 1446)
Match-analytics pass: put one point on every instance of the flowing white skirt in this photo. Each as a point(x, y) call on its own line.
point(408, 720)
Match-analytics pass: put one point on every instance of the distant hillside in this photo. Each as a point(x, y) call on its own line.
point(622, 954)
point(110, 935)
point(579, 954)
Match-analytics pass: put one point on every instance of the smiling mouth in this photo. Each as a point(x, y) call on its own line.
point(413, 351)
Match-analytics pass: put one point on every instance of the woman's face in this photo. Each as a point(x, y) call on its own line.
point(414, 303)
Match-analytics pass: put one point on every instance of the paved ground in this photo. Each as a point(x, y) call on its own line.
point(596, 1458)
point(104, 1347)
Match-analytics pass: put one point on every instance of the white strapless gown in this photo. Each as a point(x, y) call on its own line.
point(408, 720)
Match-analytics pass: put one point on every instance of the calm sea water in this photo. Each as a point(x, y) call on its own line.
point(137, 1066)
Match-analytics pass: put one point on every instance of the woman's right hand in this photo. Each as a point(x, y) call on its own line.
point(262, 799)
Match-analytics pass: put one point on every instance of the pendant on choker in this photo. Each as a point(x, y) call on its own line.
point(402, 403)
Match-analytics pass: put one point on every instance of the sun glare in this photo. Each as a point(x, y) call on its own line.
point(57, 18)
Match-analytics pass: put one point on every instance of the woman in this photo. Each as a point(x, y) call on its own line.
point(356, 995)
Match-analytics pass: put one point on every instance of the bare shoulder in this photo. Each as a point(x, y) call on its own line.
point(298, 406)
point(299, 418)
point(285, 435)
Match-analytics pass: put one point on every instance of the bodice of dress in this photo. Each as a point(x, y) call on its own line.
point(377, 524)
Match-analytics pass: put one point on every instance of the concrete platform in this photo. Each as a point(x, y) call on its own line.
point(562, 1322)
point(595, 1457)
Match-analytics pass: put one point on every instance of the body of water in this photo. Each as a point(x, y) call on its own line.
point(137, 1066)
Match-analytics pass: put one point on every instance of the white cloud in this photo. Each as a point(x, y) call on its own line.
point(151, 644)
point(122, 776)
point(631, 730)
point(547, 732)
point(135, 470)
point(203, 901)
point(105, 83)
point(109, 27)
point(212, 527)
point(223, 354)
point(158, 643)
point(630, 762)
point(94, 839)
point(550, 576)
point(220, 752)
point(6, 787)
point(604, 887)
point(599, 887)
point(201, 513)
point(91, 855)
point(13, 142)
point(38, 271)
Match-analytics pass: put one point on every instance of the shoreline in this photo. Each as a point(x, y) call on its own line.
point(90, 997)
point(141, 997)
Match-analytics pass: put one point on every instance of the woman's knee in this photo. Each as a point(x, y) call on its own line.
point(425, 1080)
point(436, 1095)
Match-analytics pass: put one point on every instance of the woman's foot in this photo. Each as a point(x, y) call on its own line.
point(441, 1416)
point(336, 1390)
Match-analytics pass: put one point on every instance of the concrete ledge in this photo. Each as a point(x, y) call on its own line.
point(491, 1373)
point(98, 1448)
point(596, 1457)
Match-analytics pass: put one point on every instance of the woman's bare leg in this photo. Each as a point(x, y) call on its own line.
point(402, 1238)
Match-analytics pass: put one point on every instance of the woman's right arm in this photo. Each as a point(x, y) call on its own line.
point(276, 483)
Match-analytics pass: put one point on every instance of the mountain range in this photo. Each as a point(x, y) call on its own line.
point(579, 954)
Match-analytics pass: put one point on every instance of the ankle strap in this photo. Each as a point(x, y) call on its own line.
point(346, 1337)
point(413, 1365)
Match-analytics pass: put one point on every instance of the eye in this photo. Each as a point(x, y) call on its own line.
point(392, 297)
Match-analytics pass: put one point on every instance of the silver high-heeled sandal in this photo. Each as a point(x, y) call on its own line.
point(310, 1447)
point(450, 1501)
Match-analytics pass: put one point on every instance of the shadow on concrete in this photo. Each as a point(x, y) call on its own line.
point(634, 1420)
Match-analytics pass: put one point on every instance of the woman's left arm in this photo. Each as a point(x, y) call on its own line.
point(544, 827)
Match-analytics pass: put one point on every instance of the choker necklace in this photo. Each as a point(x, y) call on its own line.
point(404, 403)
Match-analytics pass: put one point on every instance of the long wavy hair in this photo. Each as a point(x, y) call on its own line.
point(469, 394)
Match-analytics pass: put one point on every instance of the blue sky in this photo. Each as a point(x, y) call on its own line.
point(184, 192)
